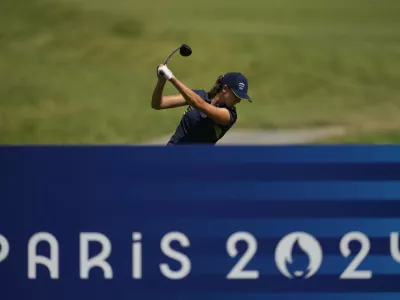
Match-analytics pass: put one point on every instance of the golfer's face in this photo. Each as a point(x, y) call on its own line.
point(231, 98)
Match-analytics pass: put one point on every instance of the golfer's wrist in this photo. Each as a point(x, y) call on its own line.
point(172, 77)
point(169, 76)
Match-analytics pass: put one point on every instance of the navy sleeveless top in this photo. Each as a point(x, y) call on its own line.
point(196, 127)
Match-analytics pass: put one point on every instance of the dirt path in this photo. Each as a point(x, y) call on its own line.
point(269, 137)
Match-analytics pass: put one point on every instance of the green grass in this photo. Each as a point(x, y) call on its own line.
point(82, 71)
point(373, 137)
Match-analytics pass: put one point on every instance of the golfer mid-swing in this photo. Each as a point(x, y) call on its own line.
point(209, 114)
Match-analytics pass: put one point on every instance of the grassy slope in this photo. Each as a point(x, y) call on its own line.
point(83, 71)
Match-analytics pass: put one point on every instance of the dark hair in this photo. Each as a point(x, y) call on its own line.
point(216, 88)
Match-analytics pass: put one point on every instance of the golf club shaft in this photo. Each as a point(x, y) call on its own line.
point(168, 58)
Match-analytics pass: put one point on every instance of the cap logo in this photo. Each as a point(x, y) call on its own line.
point(241, 86)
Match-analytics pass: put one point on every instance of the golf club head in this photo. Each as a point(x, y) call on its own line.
point(185, 50)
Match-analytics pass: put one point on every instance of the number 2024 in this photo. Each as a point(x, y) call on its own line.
point(351, 272)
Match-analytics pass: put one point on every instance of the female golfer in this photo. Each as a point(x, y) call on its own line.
point(209, 114)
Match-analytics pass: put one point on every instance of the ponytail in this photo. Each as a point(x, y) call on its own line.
point(216, 89)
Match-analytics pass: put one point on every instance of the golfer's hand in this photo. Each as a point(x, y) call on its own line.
point(160, 75)
point(163, 70)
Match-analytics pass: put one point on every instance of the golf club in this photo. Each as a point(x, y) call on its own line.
point(184, 50)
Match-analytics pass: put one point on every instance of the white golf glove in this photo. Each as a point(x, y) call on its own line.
point(163, 70)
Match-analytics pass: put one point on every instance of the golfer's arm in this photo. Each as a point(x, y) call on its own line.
point(159, 101)
point(219, 115)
